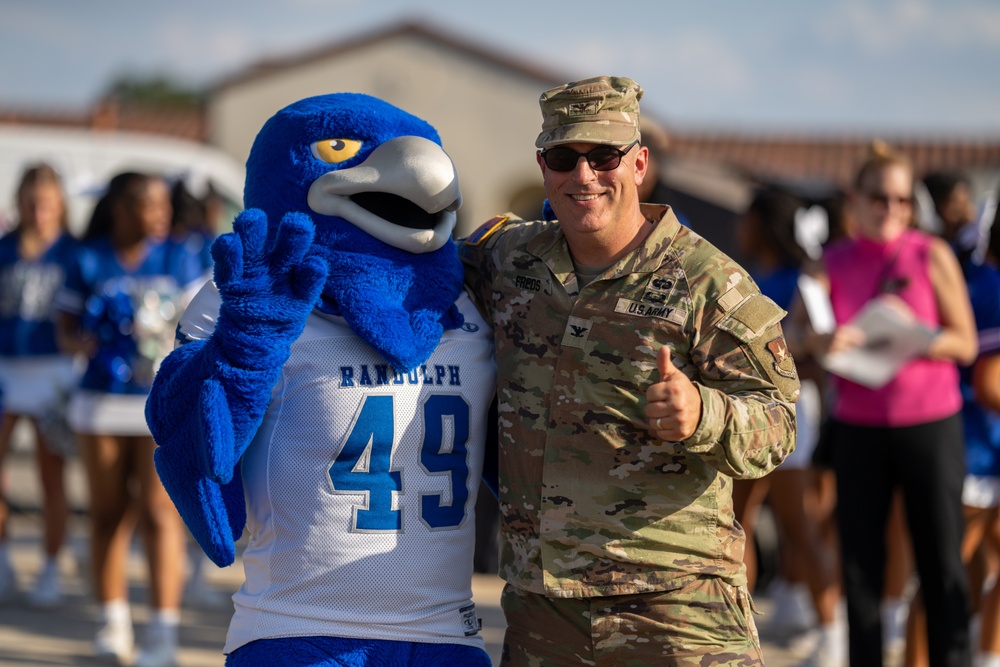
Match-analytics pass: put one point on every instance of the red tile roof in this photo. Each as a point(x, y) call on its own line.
point(800, 158)
point(829, 159)
point(110, 115)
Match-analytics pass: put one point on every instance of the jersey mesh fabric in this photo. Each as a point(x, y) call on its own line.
point(356, 529)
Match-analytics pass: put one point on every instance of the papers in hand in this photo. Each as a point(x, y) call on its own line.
point(892, 337)
point(817, 303)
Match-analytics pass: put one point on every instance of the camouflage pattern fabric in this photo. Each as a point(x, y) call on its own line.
point(591, 502)
point(600, 110)
point(706, 622)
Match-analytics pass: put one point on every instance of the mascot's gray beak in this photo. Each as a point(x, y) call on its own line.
point(405, 194)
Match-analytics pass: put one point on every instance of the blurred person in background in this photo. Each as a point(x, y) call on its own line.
point(954, 207)
point(980, 385)
point(195, 207)
point(840, 224)
point(34, 258)
point(906, 434)
point(654, 189)
point(119, 306)
point(899, 570)
point(766, 235)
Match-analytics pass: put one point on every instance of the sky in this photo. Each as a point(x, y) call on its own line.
point(929, 67)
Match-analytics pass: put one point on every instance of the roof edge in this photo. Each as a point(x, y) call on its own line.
point(409, 27)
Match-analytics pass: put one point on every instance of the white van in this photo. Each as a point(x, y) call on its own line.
point(87, 159)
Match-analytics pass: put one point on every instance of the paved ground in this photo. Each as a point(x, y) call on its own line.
point(31, 638)
point(62, 636)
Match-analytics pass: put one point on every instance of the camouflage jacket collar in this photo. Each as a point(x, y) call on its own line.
point(550, 245)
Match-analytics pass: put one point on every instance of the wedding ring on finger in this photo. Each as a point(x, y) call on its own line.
point(658, 423)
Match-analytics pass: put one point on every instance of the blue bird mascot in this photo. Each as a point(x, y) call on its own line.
point(330, 393)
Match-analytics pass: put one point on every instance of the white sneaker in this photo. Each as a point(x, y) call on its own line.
point(159, 646)
point(114, 641)
point(830, 649)
point(47, 592)
point(792, 612)
point(8, 581)
point(986, 660)
point(801, 644)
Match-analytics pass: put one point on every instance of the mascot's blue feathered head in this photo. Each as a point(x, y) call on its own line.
point(383, 195)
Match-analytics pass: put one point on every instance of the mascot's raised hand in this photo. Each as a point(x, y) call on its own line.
point(331, 394)
point(267, 288)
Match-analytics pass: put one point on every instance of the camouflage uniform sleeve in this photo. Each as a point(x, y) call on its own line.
point(476, 253)
point(748, 385)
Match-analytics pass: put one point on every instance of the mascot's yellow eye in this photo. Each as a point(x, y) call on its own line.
point(333, 151)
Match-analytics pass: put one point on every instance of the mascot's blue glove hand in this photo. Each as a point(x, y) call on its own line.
point(209, 396)
point(267, 292)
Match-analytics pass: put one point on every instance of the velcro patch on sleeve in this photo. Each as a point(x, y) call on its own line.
point(752, 317)
point(748, 323)
point(730, 300)
point(486, 230)
point(735, 295)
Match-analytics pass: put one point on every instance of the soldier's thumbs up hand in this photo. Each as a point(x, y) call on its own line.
point(673, 405)
point(665, 363)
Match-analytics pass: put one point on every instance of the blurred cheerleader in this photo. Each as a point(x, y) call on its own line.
point(34, 258)
point(120, 304)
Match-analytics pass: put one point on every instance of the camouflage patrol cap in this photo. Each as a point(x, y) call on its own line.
point(601, 110)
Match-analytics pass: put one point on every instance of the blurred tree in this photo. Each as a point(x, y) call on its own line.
point(154, 91)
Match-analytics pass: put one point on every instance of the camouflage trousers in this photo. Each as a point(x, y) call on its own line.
point(706, 622)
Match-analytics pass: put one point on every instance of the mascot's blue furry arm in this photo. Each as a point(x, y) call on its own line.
point(350, 208)
point(210, 396)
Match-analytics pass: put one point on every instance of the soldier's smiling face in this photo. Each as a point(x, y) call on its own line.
point(585, 200)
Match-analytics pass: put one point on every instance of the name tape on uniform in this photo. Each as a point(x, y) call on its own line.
point(669, 313)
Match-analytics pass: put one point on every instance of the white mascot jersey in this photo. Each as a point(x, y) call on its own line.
point(360, 487)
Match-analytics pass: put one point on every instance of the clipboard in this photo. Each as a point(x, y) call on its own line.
point(892, 339)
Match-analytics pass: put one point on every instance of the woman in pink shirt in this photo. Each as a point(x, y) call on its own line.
point(906, 434)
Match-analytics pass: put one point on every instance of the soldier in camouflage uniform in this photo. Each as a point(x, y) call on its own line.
point(640, 371)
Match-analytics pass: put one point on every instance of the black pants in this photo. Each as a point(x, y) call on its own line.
point(927, 462)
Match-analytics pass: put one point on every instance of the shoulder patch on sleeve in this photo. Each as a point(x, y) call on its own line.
point(486, 230)
point(756, 324)
point(737, 290)
point(781, 357)
point(730, 300)
point(751, 318)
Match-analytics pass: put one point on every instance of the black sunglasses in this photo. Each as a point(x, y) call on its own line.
point(884, 199)
point(600, 158)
